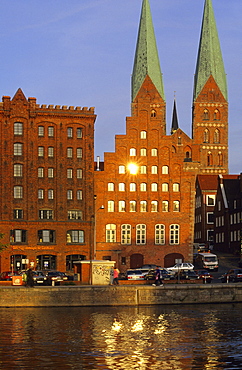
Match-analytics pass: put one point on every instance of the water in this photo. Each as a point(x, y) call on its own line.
point(119, 338)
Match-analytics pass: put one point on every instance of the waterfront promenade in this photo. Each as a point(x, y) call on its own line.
point(133, 295)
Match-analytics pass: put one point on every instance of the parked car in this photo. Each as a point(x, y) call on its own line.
point(135, 274)
point(39, 278)
point(7, 275)
point(205, 275)
point(55, 277)
point(165, 275)
point(233, 275)
point(186, 275)
point(180, 266)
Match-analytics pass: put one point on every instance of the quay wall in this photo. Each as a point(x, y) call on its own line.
point(134, 295)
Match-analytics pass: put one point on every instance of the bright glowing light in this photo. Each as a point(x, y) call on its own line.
point(133, 168)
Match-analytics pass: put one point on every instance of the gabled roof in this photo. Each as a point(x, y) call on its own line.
point(146, 61)
point(230, 188)
point(208, 182)
point(210, 60)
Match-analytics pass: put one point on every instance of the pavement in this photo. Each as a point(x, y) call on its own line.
point(226, 262)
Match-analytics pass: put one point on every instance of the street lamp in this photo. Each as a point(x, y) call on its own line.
point(94, 240)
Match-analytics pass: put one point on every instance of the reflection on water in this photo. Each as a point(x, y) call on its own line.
point(143, 338)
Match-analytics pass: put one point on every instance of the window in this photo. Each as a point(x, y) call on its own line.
point(69, 195)
point(165, 205)
point(220, 159)
point(159, 234)
point(143, 186)
point(210, 217)
point(132, 206)
point(205, 114)
point(132, 152)
point(143, 134)
point(121, 206)
point(79, 173)
point(69, 152)
point(143, 206)
point(143, 152)
point(125, 234)
point(79, 153)
point(41, 131)
point(209, 159)
point(45, 214)
point(216, 115)
point(18, 236)
point(74, 215)
point(18, 170)
point(18, 149)
point(50, 194)
point(18, 192)
point(50, 151)
point(121, 169)
point(176, 206)
point(79, 194)
point(154, 170)
point(143, 170)
point(174, 234)
point(51, 131)
point(69, 132)
point(46, 236)
point(153, 113)
point(79, 132)
point(206, 136)
point(40, 193)
point(110, 186)
point(176, 187)
point(121, 186)
point(69, 173)
point(210, 200)
point(141, 234)
point(18, 214)
point(165, 170)
point(40, 172)
point(110, 206)
point(154, 152)
point(18, 128)
point(154, 206)
point(50, 172)
point(110, 233)
point(164, 187)
point(154, 186)
point(132, 186)
point(75, 236)
point(41, 151)
point(216, 136)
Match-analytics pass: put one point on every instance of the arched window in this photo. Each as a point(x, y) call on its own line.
point(143, 206)
point(143, 186)
point(206, 136)
point(154, 170)
point(154, 206)
point(121, 186)
point(205, 114)
point(216, 115)
point(216, 136)
point(209, 159)
point(165, 170)
point(176, 206)
point(132, 206)
point(110, 233)
point(153, 113)
point(220, 159)
point(132, 152)
point(110, 206)
point(154, 152)
point(121, 206)
point(165, 205)
point(110, 186)
point(143, 152)
point(154, 186)
point(132, 186)
point(143, 134)
point(176, 187)
point(164, 187)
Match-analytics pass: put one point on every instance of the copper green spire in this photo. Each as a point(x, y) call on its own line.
point(210, 60)
point(146, 61)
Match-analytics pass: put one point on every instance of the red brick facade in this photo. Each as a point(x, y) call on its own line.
point(46, 191)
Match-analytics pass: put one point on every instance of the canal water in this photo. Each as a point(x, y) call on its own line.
point(119, 338)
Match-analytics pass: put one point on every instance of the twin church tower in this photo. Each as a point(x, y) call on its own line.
point(147, 187)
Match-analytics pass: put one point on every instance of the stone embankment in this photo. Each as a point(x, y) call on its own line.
point(74, 296)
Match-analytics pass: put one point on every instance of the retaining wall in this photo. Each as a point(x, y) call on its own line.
point(119, 295)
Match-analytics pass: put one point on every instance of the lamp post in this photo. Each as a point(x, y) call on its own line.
point(94, 240)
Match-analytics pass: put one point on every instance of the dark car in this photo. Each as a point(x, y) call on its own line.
point(39, 278)
point(165, 275)
point(205, 275)
point(186, 275)
point(7, 275)
point(233, 275)
point(55, 277)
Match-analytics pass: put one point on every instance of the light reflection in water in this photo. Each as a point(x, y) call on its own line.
point(119, 338)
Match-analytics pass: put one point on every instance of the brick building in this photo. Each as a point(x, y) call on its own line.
point(46, 189)
point(146, 190)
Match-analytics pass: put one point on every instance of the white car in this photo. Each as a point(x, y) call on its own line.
point(180, 266)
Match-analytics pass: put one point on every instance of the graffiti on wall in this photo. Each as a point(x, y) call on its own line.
point(102, 274)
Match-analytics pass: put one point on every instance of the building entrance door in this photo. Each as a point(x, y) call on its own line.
point(136, 260)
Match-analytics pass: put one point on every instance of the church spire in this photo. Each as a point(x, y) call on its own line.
point(174, 125)
point(146, 61)
point(210, 60)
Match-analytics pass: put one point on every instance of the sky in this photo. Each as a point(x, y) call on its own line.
point(81, 53)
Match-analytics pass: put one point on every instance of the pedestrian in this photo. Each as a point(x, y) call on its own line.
point(115, 276)
point(158, 278)
point(30, 279)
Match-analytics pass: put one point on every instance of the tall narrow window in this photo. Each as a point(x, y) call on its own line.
point(165, 170)
point(51, 131)
point(176, 187)
point(110, 206)
point(154, 152)
point(176, 206)
point(165, 187)
point(143, 186)
point(154, 170)
point(18, 149)
point(110, 186)
point(79, 173)
point(79, 133)
point(121, 169)
point(69, 132)
point(40, 193)
point(41, 151)
point(110, 233)
point(18, 128)
point(18, 170)
point(50, 194)
point(143, 206)
point(18, 192)
point(154, 206)
point(174, 234)
point(143, 170)
point(154, 186)
point(50, 172)
point(132, 152)
point(143, 152)
point(140, 234)
point(125, 234)
point(143, 134)
point(216, 136)
point(69, 194)
point(79, 195)
point(205, 114)
point(40, 172)
point(41, 131)
point(132, 186)
point(50, 151)
point(165, 206)
point(79, 153)
point(69, 173)
point(209, 159)
point(159, 234)
point(121, 206)
point(206, 136)
point(132, 206)
point(220, 159)
point(69, 152)
point(121, 186)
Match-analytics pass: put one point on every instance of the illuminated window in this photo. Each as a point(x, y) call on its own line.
point(165, 205)
point(121, 206)
point(75, 236)
point(121, 186)
point(40, 172)
point(140, 234)
point(143, 134)
point(164, 186)
point(18, 192)
point(50, 131)
point(121, 169)
point(176, 187)
point(132, 206)
point(69, 152)
point(18, 128)
point(110, 186)
point(165, 170)
point(154, 206)
point(110, 206)
point(18, 170)
point(159, 234)
point(154, 152)
point(18, 149)
point(176, 206)
point(143, 186)
point(132, 152)
point(154, 186)
point(41, 131)
point(125, 234)
point(174, 234)
point(143, 152)
point(143, 170)
point(143, 206)
point(154, 170)
point(132, 186)
point(110, 233)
